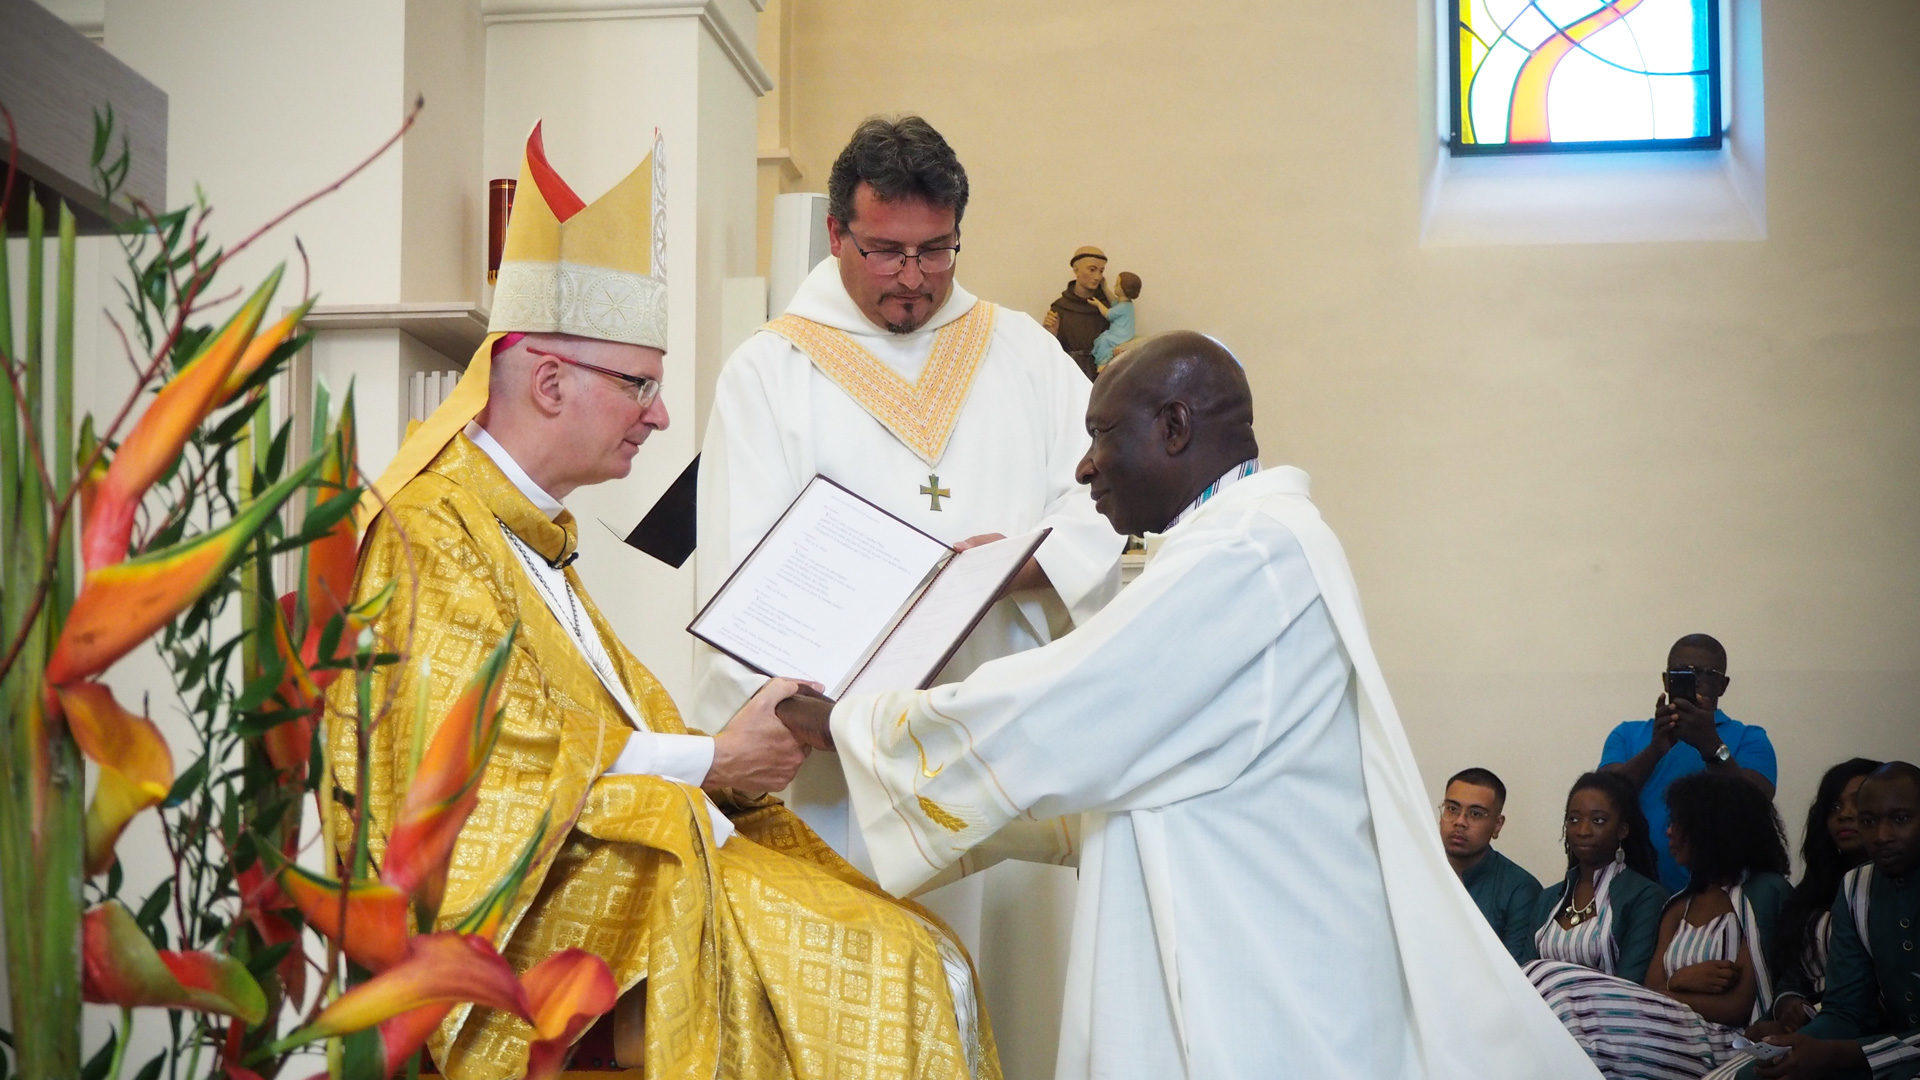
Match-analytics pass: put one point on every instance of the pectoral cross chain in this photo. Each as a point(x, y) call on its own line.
point(934, 492)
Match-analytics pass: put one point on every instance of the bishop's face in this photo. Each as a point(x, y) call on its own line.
point(608, 417)
point(900, 302)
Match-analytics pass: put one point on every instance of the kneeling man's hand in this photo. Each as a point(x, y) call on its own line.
point(809, 715)
point(755, 752)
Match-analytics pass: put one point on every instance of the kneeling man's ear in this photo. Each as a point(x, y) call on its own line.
point(1177, 421)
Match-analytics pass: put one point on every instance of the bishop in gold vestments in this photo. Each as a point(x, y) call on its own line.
point(762, 953)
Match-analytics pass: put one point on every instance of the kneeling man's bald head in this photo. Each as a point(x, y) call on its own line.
point(1166, 419)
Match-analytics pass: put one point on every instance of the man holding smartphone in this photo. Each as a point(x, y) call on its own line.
point(1688, 734)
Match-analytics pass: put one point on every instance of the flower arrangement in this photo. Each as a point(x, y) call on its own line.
point(161, 528)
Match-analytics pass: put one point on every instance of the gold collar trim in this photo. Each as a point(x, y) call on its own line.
point(920, 414)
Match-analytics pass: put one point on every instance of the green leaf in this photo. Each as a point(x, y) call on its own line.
point(153, 908)
point(324, 517)
point(260, 688)
point(152, 1069)
point(102, 1059)
point(186, 784)
point(262, 963)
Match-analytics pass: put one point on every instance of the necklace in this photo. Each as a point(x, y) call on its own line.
point(539, 582)
point(1576, 915)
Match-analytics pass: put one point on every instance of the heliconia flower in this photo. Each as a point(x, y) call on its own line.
point(440, 969)
point(330, 560)
point(121, 605)
point(120, 966)
point(151, 448)
point(261, 347)
point(261, 901)
point(446, 787)
point(376, 915)
point(136, 768)
point(565, 992)
point(290, 743)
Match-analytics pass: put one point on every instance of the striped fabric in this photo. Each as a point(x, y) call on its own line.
point(1630, 1032)
point(1717, 939)
point(1813, 954)
point(1633, 1033)
point(1588, 943)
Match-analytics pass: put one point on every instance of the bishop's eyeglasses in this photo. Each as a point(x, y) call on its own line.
point(890, 262)
point(644, 389)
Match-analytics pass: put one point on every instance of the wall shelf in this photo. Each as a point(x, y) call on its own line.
point(454, 330)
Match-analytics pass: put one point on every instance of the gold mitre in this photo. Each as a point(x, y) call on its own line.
point(596, 271)
point(593, 270)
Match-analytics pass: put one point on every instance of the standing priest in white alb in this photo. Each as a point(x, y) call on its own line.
point(1261, 892)
point(963, 418)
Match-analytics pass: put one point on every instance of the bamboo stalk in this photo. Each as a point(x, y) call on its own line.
point(41, 834)
point(63, 444)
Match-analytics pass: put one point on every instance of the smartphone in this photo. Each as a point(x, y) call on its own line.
point(1681, 684)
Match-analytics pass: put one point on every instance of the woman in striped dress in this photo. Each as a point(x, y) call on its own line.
point(1831, 846)
point(1709, 976)
point(1606, 913)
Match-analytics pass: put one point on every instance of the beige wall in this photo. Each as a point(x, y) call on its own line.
point(1546, 462)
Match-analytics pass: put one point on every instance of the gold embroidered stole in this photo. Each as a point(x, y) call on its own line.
point(920, 414)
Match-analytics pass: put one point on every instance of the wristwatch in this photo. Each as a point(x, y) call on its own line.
point(1724, 754)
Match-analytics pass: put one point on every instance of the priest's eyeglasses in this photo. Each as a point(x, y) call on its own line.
point(645, 390)
point(888, 263)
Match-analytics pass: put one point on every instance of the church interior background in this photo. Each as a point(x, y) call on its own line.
point(1560, 411)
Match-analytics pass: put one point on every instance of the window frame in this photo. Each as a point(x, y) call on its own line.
point(1716, 121)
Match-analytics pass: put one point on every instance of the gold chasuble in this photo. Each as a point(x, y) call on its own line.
point(921, 413)
point(763, 958)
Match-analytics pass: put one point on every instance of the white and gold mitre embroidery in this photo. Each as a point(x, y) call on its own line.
point(920, 414)
point(594, 270)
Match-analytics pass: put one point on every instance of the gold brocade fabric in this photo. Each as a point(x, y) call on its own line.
point(922, 413)
point(764, 958)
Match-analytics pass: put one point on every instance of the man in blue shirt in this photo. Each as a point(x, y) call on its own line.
point(1687, 735)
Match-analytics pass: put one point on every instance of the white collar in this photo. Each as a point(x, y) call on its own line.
point(823, 298)
point(535, 494)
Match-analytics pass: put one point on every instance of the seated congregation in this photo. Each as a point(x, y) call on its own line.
point(1735, 972)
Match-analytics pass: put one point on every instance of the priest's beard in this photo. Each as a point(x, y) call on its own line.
point(920, 311)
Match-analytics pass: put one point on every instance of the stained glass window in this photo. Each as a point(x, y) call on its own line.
point(1532, 76)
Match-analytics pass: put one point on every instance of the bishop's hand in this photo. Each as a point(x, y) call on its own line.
point(755, 752)
point(809, 716)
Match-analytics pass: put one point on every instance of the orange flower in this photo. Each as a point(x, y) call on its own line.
point(439, 969)
point(446, 787)
point(153, 445)
point(136, 768)
point(261, 901)
point(331, 559)
point(375, 933)
point(120, 966)
point(121, 605)
point(262, 347)
point(565, 993)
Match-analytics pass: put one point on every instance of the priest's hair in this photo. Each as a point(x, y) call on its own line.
point(902, 158)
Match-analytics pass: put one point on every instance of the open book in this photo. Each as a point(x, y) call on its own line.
point(842, 593)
